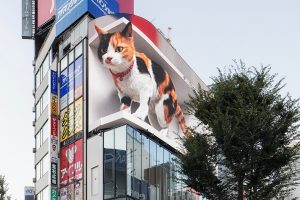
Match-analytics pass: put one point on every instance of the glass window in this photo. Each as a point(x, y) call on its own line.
point(166, 175)
point(46, 164)
point(37, 79)
point(152, 173)
point(78, 71)
point(45, 99)
point(38, 171)
point(145, 167)
point(38, 110)
point(120, 161)
point(45, 66)
point(159, 171)
point(46, 131)
point(137, 164)
point(109, 167)
point(71, 56)
point(64, 63)
point(78, 50)
point(71, 83)
point(130, 152)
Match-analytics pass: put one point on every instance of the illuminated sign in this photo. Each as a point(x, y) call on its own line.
point(78, 115)
point(53, 82)
point(27, 19)
point(29, 192)
point(67, 123)
point(54, 127)
point(54, 194)
point(46, 10)
point(71, 162)
point(68, 11)
point(54, 174)
point(54, 105)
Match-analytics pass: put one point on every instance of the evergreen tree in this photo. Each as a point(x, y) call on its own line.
point(247, 144)
point(3, 189)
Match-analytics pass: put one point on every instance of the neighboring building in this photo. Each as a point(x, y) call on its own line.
point(85, 147)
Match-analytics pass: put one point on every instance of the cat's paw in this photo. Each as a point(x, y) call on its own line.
point(125, 108)
point(164, 132)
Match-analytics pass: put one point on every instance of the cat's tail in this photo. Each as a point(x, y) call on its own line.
point(181, 121)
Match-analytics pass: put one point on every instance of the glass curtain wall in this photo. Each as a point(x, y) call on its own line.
point(137, 167)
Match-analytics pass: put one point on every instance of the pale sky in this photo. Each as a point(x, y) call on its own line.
point(207, 34)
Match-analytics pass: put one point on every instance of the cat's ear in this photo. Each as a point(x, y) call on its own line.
point(127, 31)
point(100, 30)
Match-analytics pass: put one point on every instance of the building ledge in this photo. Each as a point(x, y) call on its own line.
point(122, 117)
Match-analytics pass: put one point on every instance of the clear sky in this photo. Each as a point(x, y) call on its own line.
point(207, 34)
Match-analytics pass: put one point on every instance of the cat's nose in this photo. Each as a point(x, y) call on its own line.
point(108, 60)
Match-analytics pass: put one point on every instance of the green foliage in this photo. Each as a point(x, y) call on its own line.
point(250, 134)
point(3, 189)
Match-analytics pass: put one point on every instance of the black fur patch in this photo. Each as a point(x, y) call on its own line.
point(126, 100)
point(104, 42)
point(159, 73)
point(142, 67)
point(170, 87)
point(169, 103)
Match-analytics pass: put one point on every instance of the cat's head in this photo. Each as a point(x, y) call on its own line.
point(116, 50)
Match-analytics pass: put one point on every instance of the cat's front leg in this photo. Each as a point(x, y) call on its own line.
point(142, 110)
point(125, 102)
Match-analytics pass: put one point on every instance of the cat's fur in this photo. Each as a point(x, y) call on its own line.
point(139, 79)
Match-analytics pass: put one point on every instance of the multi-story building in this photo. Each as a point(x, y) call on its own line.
point(86, 148)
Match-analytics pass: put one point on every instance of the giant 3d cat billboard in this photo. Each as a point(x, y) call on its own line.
point(130, 69)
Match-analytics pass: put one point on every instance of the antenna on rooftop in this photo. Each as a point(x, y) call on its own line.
point(169, 34)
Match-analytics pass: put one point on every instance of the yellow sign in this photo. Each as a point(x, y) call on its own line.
point(54, 105)
point(67, 123)
point(78, 112)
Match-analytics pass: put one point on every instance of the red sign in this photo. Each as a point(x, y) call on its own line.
point(71, 163)
point(46, 10)
point(54, 127)
point(126, 6)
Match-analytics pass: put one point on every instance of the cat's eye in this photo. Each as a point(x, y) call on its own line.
point(103, 51)
point(119, 49)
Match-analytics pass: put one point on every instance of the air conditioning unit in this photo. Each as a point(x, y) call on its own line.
point(33, 63)
point(33, 123)
point(34, 180)
point(33, 150)
point(33, 109)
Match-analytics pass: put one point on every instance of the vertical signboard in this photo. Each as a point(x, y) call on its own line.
point(45, 11)
point(71, 158)
point(27, 19)
point(54, 194)
point(54, 134)
point(29, 193)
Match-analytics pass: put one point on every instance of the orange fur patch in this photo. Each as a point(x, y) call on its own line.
point(127, 44)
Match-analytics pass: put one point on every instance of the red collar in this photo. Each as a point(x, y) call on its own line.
point(121, 75)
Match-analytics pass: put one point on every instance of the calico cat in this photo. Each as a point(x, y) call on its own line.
point(139, 79)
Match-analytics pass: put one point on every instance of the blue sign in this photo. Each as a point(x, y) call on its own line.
point(64, 88)
point(100, 8)
point(68, 11)
point(53, 82)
